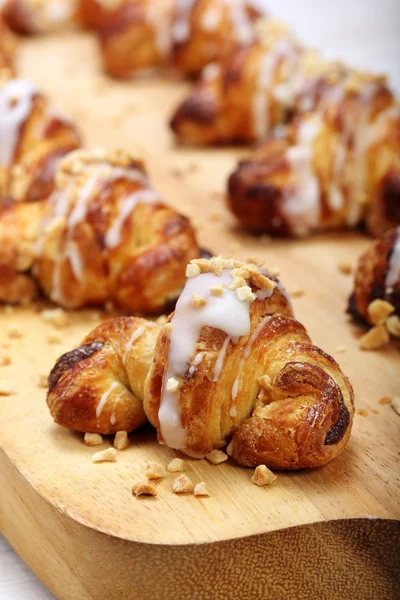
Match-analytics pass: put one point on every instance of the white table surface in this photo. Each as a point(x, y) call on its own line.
point(364, 32)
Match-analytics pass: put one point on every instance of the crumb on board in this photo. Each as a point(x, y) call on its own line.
point(5, 360)
point(43, 381)
point(375, 338)
point(121, 440)
point(107, 455)
point(155, 470)
point(216, 457)
point(385, 400)
point(6, 388)
point(55, 316)
point(54, 338)
point(144, 488)
point(379, 310)
point(176, 465)
point(298, 293)
point(362, 412)
point(345, 267)
point(93, 439)
point(341, 348)
point(14, 332)
point(200, 490)
point(182, 485)
point(262, 476)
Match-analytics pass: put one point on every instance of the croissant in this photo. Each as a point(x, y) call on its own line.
point(34, 137)
point(335, 167)
point(231, 363)
point(378, 278)
point(32, 17)
point(7, 47)
point(104, 235)
point(185, 34)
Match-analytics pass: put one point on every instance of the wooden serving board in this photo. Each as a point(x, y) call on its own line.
point(327, 533)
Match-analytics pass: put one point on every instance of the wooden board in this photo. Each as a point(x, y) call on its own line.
point(56, 506)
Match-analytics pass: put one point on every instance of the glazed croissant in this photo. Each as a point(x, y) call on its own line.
point(7, 47)
point(230, 363)
point(186, 34)
point(103, 235)
point(336, 167)
point(378, 278)
point(34, 138)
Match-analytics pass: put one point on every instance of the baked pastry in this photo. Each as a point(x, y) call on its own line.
point(32, 17)
point(104, 235)
point(376, 295)
point(230, 363)
point(185, 34)
point(34, 137)
point(7, 47)
point(335, 167)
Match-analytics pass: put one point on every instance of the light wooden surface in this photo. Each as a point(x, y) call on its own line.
point(363, 482)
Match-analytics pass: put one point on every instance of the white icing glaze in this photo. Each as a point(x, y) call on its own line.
point(220, 360)
point(181, 26)
point(226, 313)
point(393, 274)
point(75, 260)
point(210, 72)
point(244, 32)
point(302, 202)
point(135, 336)
point(113, 235)
point(104, 398)
point(16, 103)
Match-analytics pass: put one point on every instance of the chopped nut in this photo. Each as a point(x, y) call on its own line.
point(56, 317)
point(43, 381)
point(245, 294)
point(393, 325)
point(155, 470)
point(216, 457)
point(192, 270)
point(385, 400)
point(162, 320)
point(54, 338)
point(396, 404)
point(238, 282)
point(93, 439)
point(5, 388)
point(172, 385)
point(109, 454)
point(5, 360)
point(263, 476)
point(265, 382)
point(345, 267)
point(198, 301)
point(341, 349)
point(217, 290)
point(121, 440)
point(201, 489)
point(375, 338)
point(298, 293)
point(176, 465)
point(362, 412)
point(14, 332)
point(376, 412)
point(379, 310)
point(144, 488)
point(182, 485)
point(167, 329)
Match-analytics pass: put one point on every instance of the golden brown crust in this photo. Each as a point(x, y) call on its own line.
point(95, 14)
point(372, 274)
point(33, 147)
point(293, 406)
point(32, 17)
point(7, 47)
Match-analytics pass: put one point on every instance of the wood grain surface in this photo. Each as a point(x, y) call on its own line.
point(53, 495)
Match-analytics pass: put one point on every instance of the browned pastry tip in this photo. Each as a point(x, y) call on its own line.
point(98, 387)
point(8, 47)
point(378, 276)
point(35, 136)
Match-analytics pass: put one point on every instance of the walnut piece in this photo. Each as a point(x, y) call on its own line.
point(263, 476)
point(155, 470)
point(5, 360)
point(379, 310)
point(192, 270)
point(176, 465)
point(375, 338)
point(182, 485)
point(107, 455)
point(245, 294)
point(121, 440)
point(216, 457)
point(201, 489)
point(393, 325)
point(144, 488)
point(5, 388)
point(93, 439)
point(198, 301)
point(172, 385)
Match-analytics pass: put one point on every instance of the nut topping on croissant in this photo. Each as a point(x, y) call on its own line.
point(34, 137)
point(235, 364)
point(103, 235)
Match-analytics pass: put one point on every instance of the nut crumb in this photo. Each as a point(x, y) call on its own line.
point(385, 400)
point(43, 381)
point(162, 320)
point(14, 332)
point(54, 338)
point(200, 490)
point(216, 457)
point(144, 488)
point(198, 301)
point(107, 455)
point(5, 388)
point(375, 338)
point(93, 439)
point(182, 485)
point(341, 349)
point(121, 440)
point(172, 385)
point(362, 412)
point(245, 294)
point(57, 317)
point(262, 476)
point(265, 382)
point(5, 360)
point(345, 267)
point(379, 310)
point(376, 412)
point(396, 404)
point(298, 293)
point(155, 470)
point(176, 465)
point(217, 290)
point(192, 270)
point(393, 325)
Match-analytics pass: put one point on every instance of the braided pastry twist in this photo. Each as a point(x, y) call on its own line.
point(186, 34)
point(230, 363)
point(336, 167)
point(34, 138)
point(103, 235)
